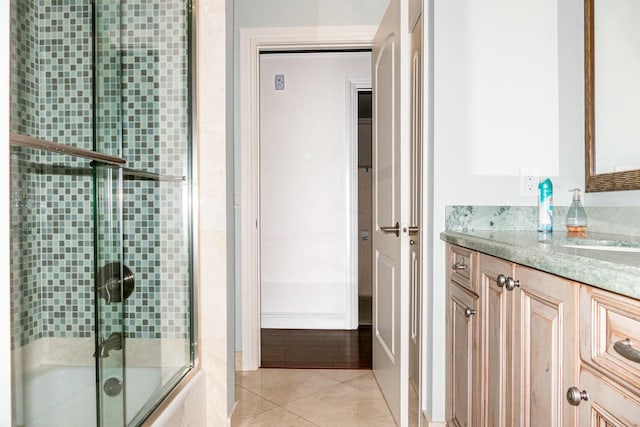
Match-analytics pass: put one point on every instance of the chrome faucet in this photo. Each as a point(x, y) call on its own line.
point(114, 342)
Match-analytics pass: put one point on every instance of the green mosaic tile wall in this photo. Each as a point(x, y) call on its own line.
point(142, 115)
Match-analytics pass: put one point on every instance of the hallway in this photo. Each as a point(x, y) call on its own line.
point(311, 398)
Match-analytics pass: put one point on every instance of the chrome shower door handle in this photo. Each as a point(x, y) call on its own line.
point(395, 229)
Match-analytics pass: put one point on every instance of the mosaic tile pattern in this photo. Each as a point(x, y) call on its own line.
point(142, 115)
point(155, 97)
point(155, 137)
point(25, 78)
point(52, 247)
point(26, 304)
point(66, 62)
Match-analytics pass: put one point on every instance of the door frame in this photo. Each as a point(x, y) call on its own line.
point(252, 42)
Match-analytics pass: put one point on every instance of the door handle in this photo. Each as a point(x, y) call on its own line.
point(412, 230)
point(394, 229)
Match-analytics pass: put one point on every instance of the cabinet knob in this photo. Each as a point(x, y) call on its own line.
point(501, 280)
point(511, 284)
point(575, 396)
point(468, 312)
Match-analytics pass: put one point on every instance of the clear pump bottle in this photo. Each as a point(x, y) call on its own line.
point(576, 216)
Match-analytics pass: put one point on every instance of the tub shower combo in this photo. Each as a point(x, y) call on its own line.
point(101, 231)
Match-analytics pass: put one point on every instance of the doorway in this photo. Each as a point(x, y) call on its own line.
point(308, 220)
point(252, 43)
point(365, 217)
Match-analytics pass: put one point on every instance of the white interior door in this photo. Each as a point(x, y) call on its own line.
point(391, 209)
point(415, 239)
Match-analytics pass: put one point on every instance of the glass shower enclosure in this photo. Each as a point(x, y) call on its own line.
point(101, 233)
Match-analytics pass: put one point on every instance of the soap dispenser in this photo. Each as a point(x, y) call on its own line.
point(576, 216)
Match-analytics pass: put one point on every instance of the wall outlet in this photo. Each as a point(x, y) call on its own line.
point(529, 182)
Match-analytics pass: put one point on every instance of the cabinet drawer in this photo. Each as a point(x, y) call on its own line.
point(610, 335)
point(460, 267)
point(607, 404)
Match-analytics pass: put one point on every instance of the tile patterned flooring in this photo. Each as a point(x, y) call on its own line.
point(311, 398)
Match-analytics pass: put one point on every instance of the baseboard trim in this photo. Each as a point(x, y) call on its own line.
point(426, 422)
point(304, 321)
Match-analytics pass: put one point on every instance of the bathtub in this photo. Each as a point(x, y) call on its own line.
point(66, 396)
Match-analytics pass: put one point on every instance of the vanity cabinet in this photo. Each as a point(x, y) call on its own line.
point(463, 337)
point(525, 354)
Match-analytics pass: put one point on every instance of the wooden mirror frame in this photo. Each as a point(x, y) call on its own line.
point(614, 181)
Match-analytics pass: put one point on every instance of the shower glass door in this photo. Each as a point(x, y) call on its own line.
point(143, 115)
point(114, 283)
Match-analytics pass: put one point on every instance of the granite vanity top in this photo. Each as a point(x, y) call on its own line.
point(606, 268)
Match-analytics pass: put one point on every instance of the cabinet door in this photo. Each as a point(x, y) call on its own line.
point(462, 357)
point(496, 319)
point(545, 348)
point(607, 406)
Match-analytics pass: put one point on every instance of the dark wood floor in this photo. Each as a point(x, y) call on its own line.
point(314, 348)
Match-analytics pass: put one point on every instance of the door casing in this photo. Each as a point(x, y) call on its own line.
point(252, 42)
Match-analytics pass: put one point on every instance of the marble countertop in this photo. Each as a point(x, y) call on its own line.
point(606, 269)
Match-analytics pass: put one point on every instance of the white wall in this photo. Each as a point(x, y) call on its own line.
point(287, 13)
point(5, 205)
point(307, 183)
point(470, 168)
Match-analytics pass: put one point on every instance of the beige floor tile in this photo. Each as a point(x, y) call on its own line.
point(284, 385)
point(277, 417)
point(250, 404)
point(342, 375)
point(366, 383)
point(414, 404)
point(344, 405)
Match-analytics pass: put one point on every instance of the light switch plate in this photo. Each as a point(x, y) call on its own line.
point(279, 81)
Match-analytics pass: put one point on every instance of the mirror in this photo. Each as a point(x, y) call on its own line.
point(612, 90)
